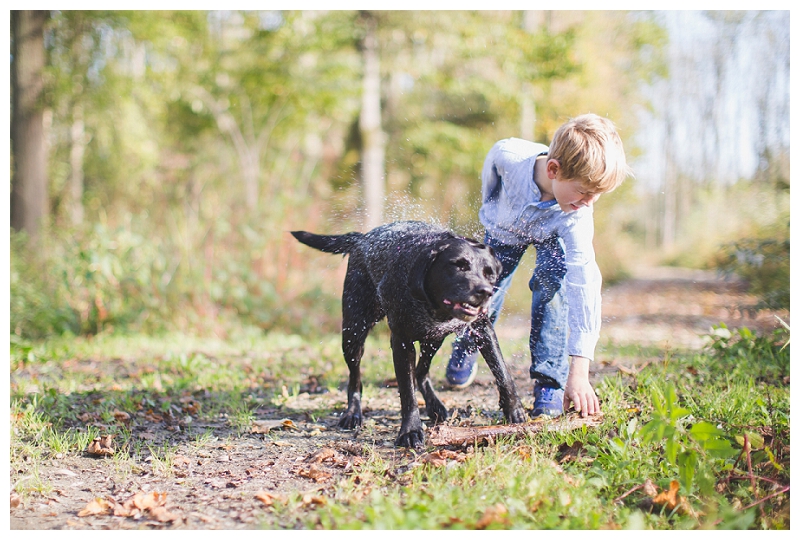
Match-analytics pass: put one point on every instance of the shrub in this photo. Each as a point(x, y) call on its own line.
point(764, 264)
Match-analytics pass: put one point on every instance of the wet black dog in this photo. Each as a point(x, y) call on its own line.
point(428, 283)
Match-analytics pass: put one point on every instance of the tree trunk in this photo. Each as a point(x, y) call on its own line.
point(29, 186)
point(372, 158)
point(76, 152)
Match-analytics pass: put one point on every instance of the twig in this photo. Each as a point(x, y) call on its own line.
point(750, 469)
point(752, 504)
point(776, 493)
point(750, 477)
point(619, 499)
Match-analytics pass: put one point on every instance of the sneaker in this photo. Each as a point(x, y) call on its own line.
point(547, 401)
point(461, 370)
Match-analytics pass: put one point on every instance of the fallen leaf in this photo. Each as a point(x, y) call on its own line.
point(121, 416)
point(321, 455)
point(672, 501)
point(670, 498)
point(180, 460)
point(497, 514)
point(101, 446)
point(15, 500)
point(266, 497)
point(148, 501)
point(265, 426)
point(314, 473)
point(96, 506)
point(163, 515)
point(314, 500)
point(440, 457)
point(649, 488)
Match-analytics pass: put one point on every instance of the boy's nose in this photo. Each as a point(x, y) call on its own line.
point(589, 200)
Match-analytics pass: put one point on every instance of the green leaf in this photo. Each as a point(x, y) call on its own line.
point(687, 465)
point(703, 431)
point(653, 430)
point(672, 446)
point(772, 459)
point(631, 428)
point(678, 412)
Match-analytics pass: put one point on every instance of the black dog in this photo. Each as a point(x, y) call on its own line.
point(428, 283)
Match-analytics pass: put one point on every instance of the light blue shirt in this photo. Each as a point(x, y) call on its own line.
point(513, 212)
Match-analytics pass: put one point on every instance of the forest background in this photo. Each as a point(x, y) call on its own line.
point(159, 159)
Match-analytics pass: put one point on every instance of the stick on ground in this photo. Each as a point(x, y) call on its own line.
point(444, 435)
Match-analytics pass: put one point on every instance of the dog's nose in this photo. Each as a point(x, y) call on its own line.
point(483, 292)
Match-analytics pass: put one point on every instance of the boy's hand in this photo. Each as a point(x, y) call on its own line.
point(578, 391)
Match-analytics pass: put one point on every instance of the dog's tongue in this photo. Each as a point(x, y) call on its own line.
point(467, 308)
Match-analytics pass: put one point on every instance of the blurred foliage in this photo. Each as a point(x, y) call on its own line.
point(208, 135)
point(764, 264)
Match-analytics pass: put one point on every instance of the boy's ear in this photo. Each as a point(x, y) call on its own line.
point(552, 167)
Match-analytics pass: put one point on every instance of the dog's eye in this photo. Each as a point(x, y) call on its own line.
point(488, 272)
point(461, 264)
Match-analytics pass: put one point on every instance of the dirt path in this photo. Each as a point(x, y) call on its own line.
point(227, 481)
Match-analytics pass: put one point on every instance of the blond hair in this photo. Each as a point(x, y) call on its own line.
point(589, 149)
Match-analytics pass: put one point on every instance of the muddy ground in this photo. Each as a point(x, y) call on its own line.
point(228, 482)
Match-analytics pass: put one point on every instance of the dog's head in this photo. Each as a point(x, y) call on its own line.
point(457, 276)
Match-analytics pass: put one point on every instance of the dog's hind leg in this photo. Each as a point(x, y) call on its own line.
point(437, 412)
point(360, 312)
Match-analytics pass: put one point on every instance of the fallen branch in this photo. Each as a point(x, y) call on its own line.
point(444, 435)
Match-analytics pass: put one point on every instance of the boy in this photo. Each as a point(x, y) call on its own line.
point(540, 196)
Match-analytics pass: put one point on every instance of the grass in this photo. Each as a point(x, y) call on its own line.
point(717, 422)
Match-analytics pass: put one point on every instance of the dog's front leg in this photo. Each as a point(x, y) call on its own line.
point(353, 349)
point(437, 412)
point(490, 350)
point(404, 356)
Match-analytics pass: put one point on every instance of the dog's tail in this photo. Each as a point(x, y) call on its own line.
point(337, 243)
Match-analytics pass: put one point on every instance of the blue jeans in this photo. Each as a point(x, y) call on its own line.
point(548, 340)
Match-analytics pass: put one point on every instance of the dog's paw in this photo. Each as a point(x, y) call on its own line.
point(437, 413)
point(350, 421)
point(411, 439)
point(517, 415)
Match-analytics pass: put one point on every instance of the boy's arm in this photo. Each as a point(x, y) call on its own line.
point(578, 391)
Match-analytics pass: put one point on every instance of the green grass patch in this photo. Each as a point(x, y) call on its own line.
point(716, 421)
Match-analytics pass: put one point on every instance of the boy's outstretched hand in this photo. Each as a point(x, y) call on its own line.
point(578, 391)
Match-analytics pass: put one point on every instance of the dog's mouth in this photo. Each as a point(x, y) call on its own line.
point(465, 310)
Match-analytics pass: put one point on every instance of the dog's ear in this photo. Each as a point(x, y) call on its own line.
point(420, 267)
point(498, 265)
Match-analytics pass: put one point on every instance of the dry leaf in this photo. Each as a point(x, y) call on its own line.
point(180, 460)
point(265, 497)
point(315, 473)
point(672, 501)
point(265, 426)
point(15, 500)
point(121, 416)
point(314, 500)
point(497, 514)
point(440, 457)
point(101, 446)
point(163, 515)
point(148, 501)
point(670, 498)
point(95, 507)
point(649, 488)
point(321, 455)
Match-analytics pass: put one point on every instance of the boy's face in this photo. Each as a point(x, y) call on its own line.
point(570, 194)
